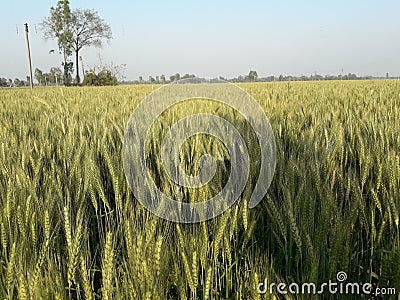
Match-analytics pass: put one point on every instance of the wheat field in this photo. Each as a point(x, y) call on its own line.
point(70, 227)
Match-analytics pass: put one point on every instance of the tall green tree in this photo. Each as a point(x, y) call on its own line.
point(88, 29)
point(58, 26)
point(75, 30)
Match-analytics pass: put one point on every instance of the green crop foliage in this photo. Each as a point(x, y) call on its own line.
point(70, 228)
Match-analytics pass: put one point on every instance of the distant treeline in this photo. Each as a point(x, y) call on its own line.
point(4, 82)
point(253, 77)
point(55, 73)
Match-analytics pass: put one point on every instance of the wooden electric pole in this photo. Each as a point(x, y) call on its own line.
point(29, 55)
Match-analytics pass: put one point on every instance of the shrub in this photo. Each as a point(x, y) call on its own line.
point(103, 78)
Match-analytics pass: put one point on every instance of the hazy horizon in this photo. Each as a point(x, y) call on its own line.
point(220, 39)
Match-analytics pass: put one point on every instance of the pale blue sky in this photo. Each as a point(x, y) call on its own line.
point(228, 38)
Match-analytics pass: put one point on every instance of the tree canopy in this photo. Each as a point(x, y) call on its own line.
point(74, 30)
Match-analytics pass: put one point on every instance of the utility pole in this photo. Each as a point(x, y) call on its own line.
point(29, 55)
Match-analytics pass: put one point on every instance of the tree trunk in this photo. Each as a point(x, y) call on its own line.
point(65, 78)
point(77, 79)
